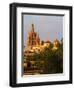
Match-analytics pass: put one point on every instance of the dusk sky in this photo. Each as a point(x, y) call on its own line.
point(48, 27)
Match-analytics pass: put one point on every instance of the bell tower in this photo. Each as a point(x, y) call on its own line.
point(31, 37)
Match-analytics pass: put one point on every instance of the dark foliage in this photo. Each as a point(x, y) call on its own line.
point(52, 60)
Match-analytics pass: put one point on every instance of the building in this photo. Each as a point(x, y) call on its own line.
point(55, 44)
point(33, 38)
point(34, 44)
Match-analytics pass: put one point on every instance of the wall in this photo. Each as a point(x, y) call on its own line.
point(4, 43)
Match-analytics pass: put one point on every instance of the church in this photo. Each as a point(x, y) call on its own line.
point(33, 38)
point(34, 44)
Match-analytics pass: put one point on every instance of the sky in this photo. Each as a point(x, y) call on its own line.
point(49, 27)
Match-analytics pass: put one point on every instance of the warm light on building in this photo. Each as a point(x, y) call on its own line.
point(34, 47)
point(34, 44)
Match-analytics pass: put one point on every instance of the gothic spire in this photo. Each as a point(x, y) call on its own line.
point(32, 27)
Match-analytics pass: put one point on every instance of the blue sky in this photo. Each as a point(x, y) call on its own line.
point(48, 27)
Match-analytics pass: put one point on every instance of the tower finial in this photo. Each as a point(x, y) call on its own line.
point(32, 27)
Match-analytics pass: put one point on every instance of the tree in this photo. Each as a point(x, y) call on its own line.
point(53, 60)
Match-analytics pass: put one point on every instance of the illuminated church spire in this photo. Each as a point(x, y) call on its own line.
point(32, 35)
